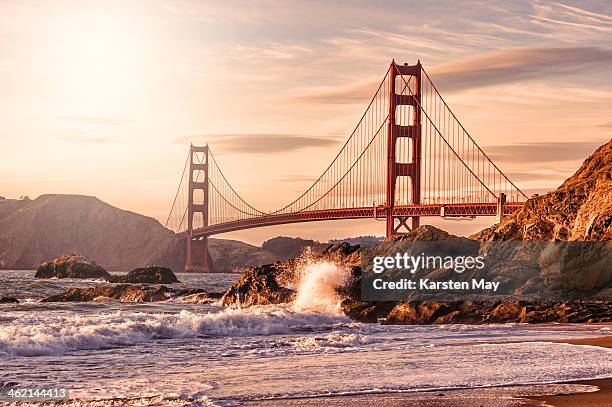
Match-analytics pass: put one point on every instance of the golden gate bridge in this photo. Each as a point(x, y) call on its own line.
point(408, 157)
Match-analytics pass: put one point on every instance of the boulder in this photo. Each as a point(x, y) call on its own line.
point(258, 286)
point(366, 311)
point(9, 300)
point(202, 297)
point(121, 292)
point(507, 311)
point(196, 295)
point(417, 312)
point(71, 266)
point(146, 275)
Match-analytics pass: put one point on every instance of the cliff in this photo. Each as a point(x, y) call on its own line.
point(580, 209)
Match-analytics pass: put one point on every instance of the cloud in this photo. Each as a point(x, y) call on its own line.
point(97, 120)
point(523, 176)
point(360, 93)
point(88, 139)
point(542, 152)
point(519, 64)
point(493, 68)
point(296, 178)
point(261, 143)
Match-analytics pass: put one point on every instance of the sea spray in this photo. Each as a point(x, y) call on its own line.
point(317, 286)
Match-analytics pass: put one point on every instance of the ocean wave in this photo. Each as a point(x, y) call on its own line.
point(331, 341)
point(54, 335)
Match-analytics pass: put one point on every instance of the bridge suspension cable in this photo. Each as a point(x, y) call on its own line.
point(453, 168)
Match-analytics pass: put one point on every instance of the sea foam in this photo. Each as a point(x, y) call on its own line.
point(55, 335)
point(317, 307)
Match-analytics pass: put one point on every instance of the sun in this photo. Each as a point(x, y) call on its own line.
point(99, 61)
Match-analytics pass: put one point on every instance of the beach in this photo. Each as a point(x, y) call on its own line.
point(600, 398)
point(302, 354)
point(572, 394)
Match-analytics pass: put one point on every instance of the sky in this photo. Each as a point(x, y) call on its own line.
point(103, 97)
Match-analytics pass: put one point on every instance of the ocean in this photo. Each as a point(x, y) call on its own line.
point(175, 353)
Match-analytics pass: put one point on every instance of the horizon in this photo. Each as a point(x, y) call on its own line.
point(113, 109)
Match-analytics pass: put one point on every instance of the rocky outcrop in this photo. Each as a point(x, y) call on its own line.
point(468, 312)
point(9, 300)
point(71, 266)
point(134, 293)
point(366, 311)
point(201, 297)
point(258, 286)
point(580, 209)
point(576, 265)
point(122, 292)
point(269, 284)
point(146, 275)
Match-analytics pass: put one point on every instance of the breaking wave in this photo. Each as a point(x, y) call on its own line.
point(316, 308)
point(316, 289)
point(57, 335)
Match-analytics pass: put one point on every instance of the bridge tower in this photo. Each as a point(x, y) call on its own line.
point(400, 130)
point(197, 169)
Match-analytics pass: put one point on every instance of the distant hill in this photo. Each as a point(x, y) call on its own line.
point(288, 247)
point(34, 231)
point(363, 241)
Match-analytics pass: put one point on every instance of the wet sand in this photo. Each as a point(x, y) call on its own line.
point(574, 394)
point(600, 398)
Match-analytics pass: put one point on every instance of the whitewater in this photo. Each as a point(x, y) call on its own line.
point(176, 353)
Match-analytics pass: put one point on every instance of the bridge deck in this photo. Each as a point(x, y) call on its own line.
point(450, 210)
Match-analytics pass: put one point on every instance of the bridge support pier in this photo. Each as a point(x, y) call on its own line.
point(198, 183)
point(501, 201)
point(412, 131)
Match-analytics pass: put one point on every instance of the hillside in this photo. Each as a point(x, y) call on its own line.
point(33, 231)
point(579, 210)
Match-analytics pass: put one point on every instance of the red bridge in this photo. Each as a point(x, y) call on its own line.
point(408, 157)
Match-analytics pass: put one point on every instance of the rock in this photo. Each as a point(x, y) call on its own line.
point(453, 317)
point(9, 300)
point(417, 312)
point(577, 265)
point(146, 275)
point(258, 286)
point(468, 312)
point(506, 311)
point(424, 233)
point(121, 292)
point(201, 297)
point(366, 311)
point(340, 250)
point(580, 209)
point(71, 266)
point(196, 296)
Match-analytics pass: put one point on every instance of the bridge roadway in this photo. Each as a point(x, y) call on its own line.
point(377, 212)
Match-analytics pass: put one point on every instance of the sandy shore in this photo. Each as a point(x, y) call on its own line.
point(575, 394)
point(601, 398)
